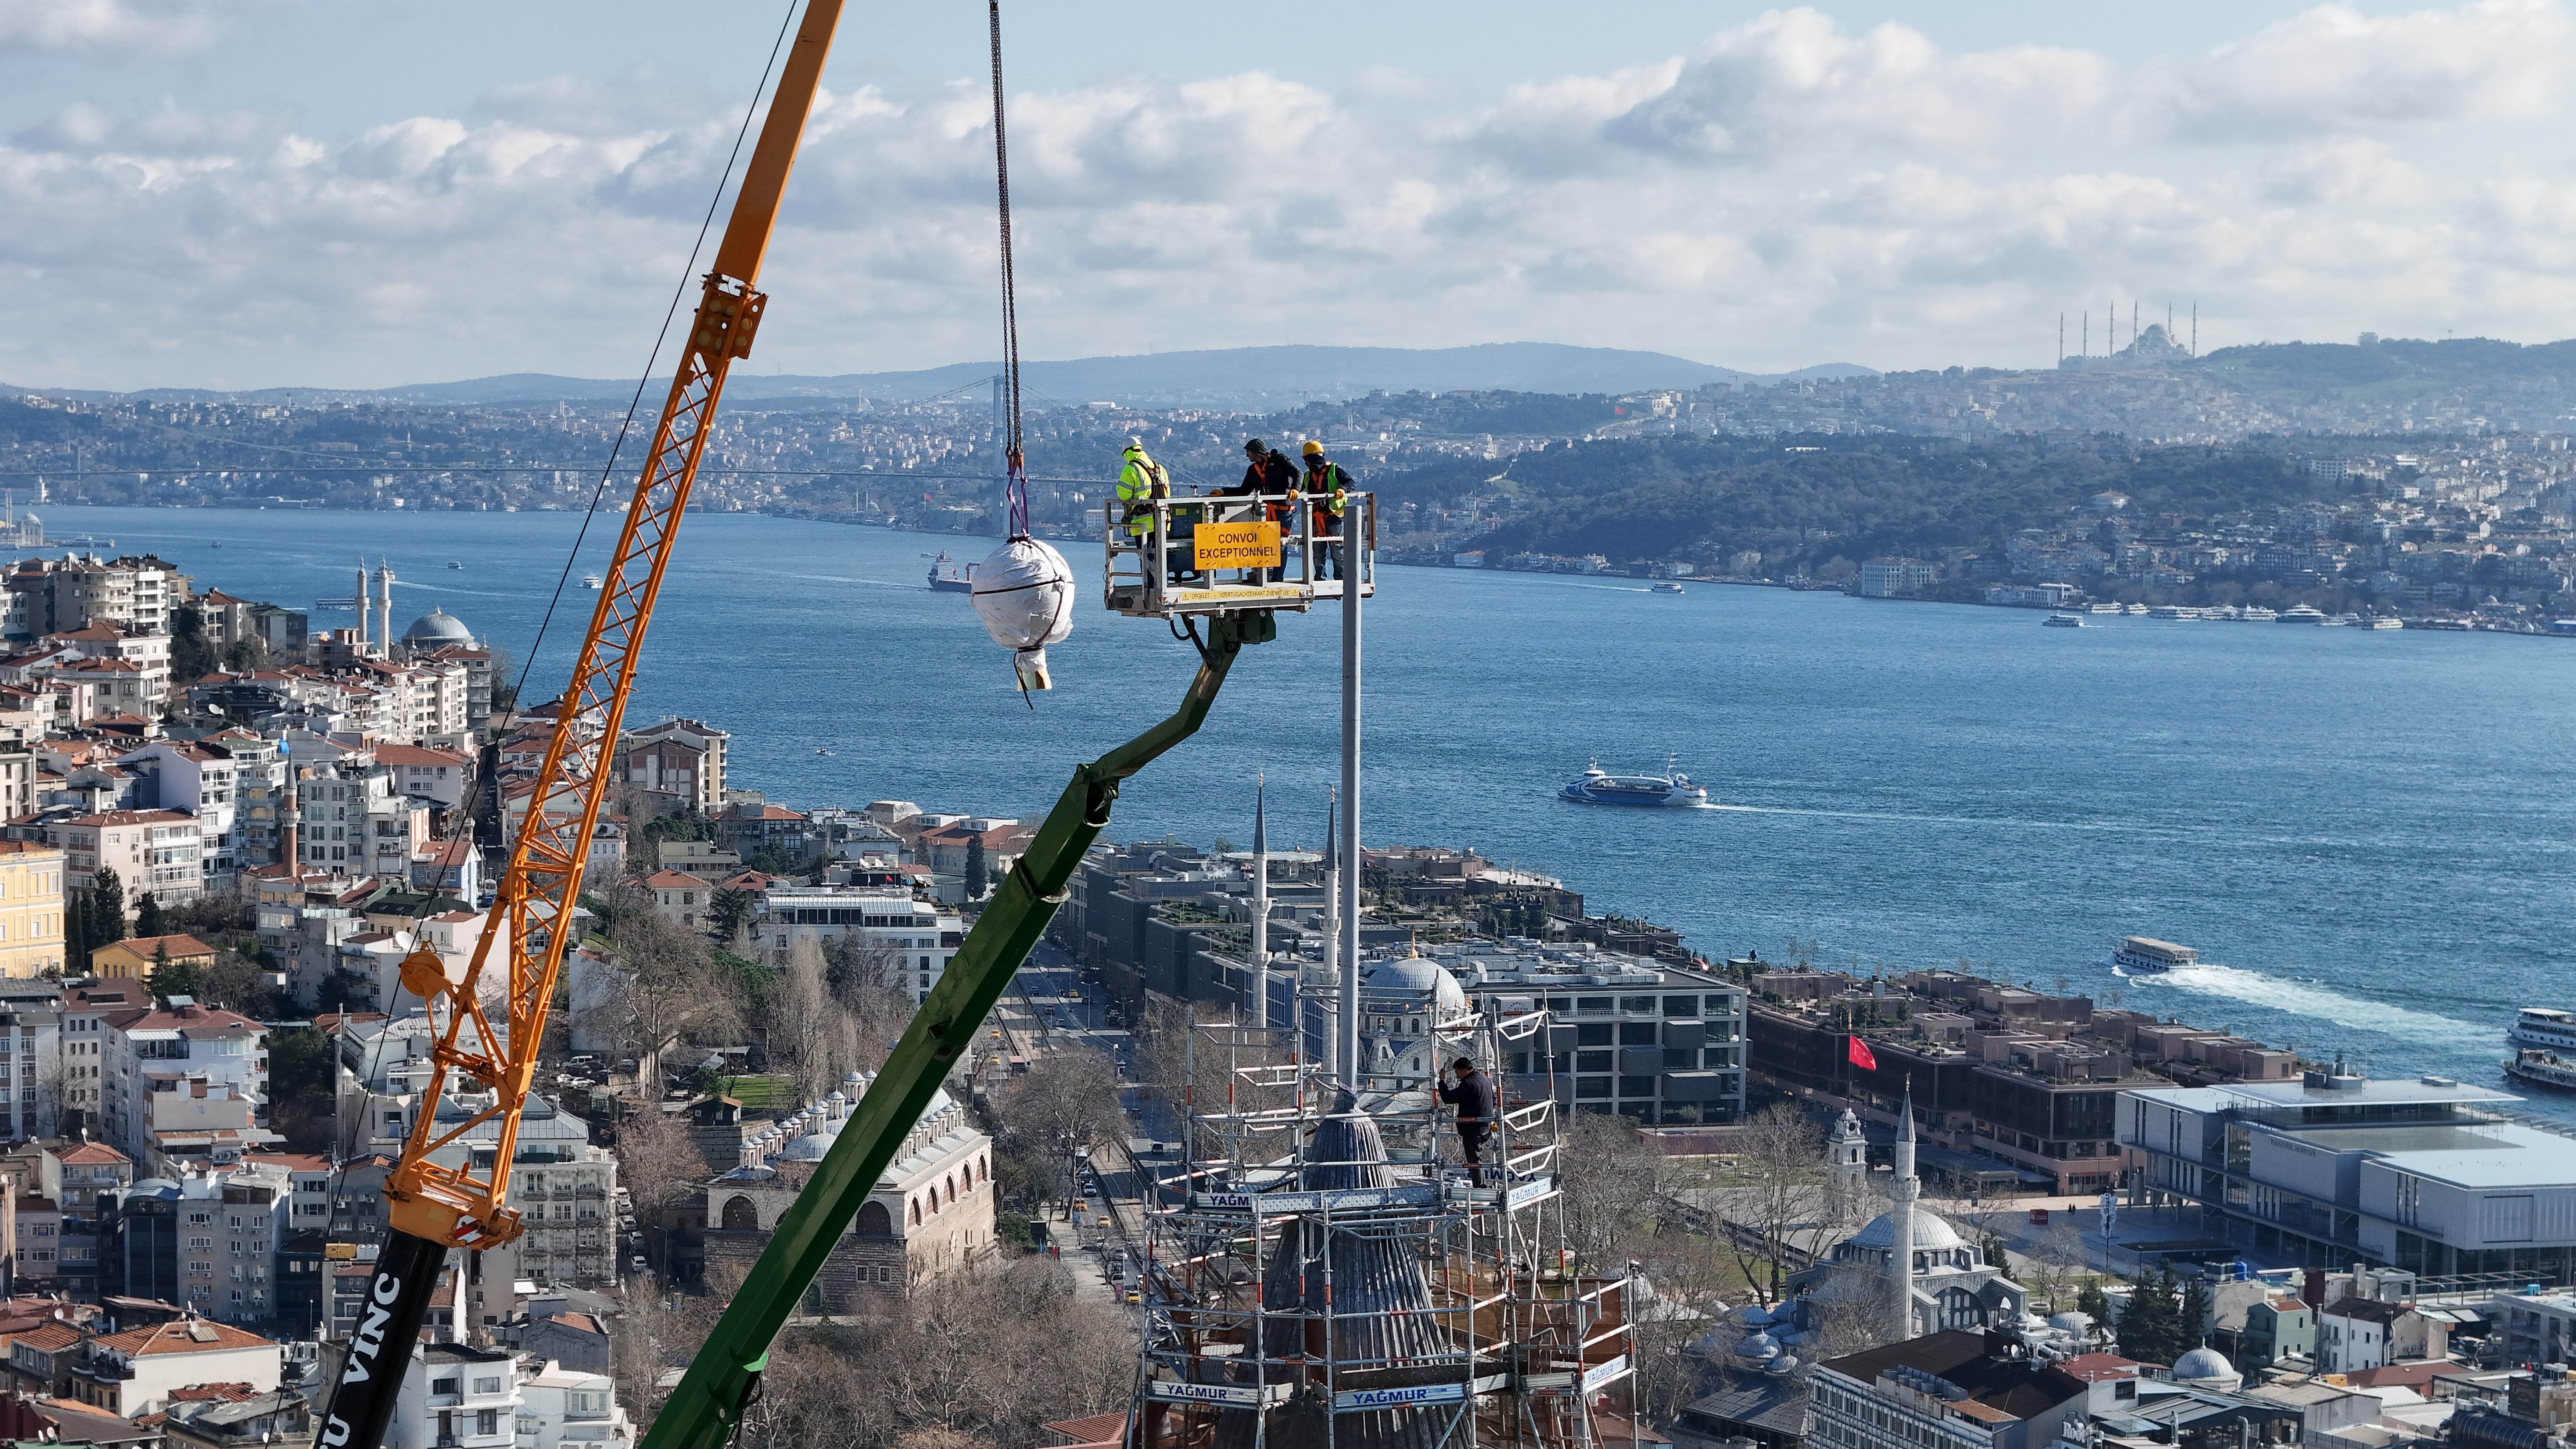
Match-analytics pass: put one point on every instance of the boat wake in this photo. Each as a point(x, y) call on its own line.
point(2301, 998)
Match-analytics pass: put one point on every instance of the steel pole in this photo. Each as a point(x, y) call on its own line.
point(1349, 1025)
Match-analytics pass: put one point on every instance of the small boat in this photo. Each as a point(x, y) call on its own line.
point(2147, 956)
point(821, 751)
point(2541, 1067)
point(590, 581)
point(948, 576)
point(2137, 608)
point(1596, 786)
point(451, 563)
point(2063, 621)
point(1666, 587)
point(2383, 621)
point(217, 543)
point(2102, 608)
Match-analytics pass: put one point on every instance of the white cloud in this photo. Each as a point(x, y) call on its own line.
point(111, 28)
point(1789, 192)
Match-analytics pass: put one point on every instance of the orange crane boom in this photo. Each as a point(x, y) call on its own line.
point(435, 1206)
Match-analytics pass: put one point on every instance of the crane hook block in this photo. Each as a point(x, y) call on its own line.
point(427, 975)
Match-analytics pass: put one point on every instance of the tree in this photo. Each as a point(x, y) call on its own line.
point(1779, 1190)
point(2193, 1330)
point(301, 1079)
point(1066, 1099)
point(811, 1034)
point(1613, 1182)
point(664, 985)
point(2149, 1324)
point(192, 654)
point(658, 1160)
point(171, 979)
point(147, 918)
point(727, 911)
point(977, 874)
point(107, 909)
point(245, 654)
point(79, 917)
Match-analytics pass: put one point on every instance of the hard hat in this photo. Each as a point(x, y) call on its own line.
point(1313, 449)
point(1136, 444)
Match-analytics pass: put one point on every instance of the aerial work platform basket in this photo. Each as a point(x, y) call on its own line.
point(1214, 555)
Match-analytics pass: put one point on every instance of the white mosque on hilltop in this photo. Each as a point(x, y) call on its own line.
point(1907, 1255)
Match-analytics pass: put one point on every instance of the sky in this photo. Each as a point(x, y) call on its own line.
point(358, 193)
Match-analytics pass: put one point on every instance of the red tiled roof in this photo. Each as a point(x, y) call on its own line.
point(185, 1335)
point(672, 880)
point(93, 1153)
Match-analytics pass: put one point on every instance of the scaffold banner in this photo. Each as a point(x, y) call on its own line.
point(1396, 1398)
point(1344, 1200)
point(1603, 1373)
point(1175, 1393)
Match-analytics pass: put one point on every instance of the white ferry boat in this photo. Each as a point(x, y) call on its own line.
point(2301, 614)
point(2147, 956)
point(1596, 786)
point(2257, 614)
point(2173, 611)
point(2101, 608)
point(2383, 621)
point(2544, 1027)
point(1666, 587)
point(590, 581)
point(2063, 621)
point(2137, 608)
point(2542, 1068)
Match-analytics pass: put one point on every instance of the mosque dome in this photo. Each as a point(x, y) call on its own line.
point(436, 628)
point(1930, 1232)
point(2206, 1366)
point(808, 1148)
point(1412, 975)
point(2073, 1322)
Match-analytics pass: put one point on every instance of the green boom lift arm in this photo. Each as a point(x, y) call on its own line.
point(709, 1402)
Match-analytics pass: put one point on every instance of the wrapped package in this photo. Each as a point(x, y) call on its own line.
point(1024, 594)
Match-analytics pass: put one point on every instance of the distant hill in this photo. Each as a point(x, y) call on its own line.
point(1252, 379)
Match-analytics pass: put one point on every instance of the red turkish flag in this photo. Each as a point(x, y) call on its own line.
point(1860, 1055)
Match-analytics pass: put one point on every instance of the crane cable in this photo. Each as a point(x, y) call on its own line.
point(1015, 485)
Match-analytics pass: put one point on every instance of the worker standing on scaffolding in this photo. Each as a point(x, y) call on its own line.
point(1472, 1093)
point(1268, 471)
point(1329, 487)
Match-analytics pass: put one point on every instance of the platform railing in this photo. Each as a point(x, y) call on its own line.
point(1169, 556)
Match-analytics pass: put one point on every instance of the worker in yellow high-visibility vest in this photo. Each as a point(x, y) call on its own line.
point(1141, 483)
point(1328, 487)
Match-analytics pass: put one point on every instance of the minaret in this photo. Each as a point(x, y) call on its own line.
point(1260, 912)
point(1905, 1188)
point(289, 849)
point(363, 601)
point(385, 608)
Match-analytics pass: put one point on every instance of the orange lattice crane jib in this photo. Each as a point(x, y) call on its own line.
point(488, 1030)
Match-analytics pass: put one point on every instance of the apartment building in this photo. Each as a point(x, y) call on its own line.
point(680, 758)
point(200, 780)
point(51, 596)
point(136, 1372)
point(909, 942)
point(428, 772)
point(160, 851)
point(182, 1079)
point(456, 1397)
point(31, 909)
point(1951, 1390)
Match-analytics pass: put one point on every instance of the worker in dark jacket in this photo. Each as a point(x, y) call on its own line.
point(1472, 1093)
point(1267, 471)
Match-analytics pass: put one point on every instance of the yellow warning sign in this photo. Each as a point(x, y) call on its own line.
point(1250, 545)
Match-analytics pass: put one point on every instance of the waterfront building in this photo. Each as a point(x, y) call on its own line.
point(1894, 578)
point(682, 761)
point(2013, 1085)
point(2431, 1175)
point(1659, 1042)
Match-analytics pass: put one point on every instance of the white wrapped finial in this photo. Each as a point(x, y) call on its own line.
point(1024, 594)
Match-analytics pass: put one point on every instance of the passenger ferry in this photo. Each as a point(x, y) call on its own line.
point(2173, 611)
point(2063, 621)
point(2257, 614)
point(1666, 587)
point(1596, 786)
point(2542, 1068)
point(2384, 621)
point(2301, 614)
point(2544, 1027)
point(948, 576)
point(2147, 956)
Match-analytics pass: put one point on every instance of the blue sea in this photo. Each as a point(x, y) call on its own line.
point(2367, 834)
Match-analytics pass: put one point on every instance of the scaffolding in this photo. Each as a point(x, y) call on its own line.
point(1321, 1272)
